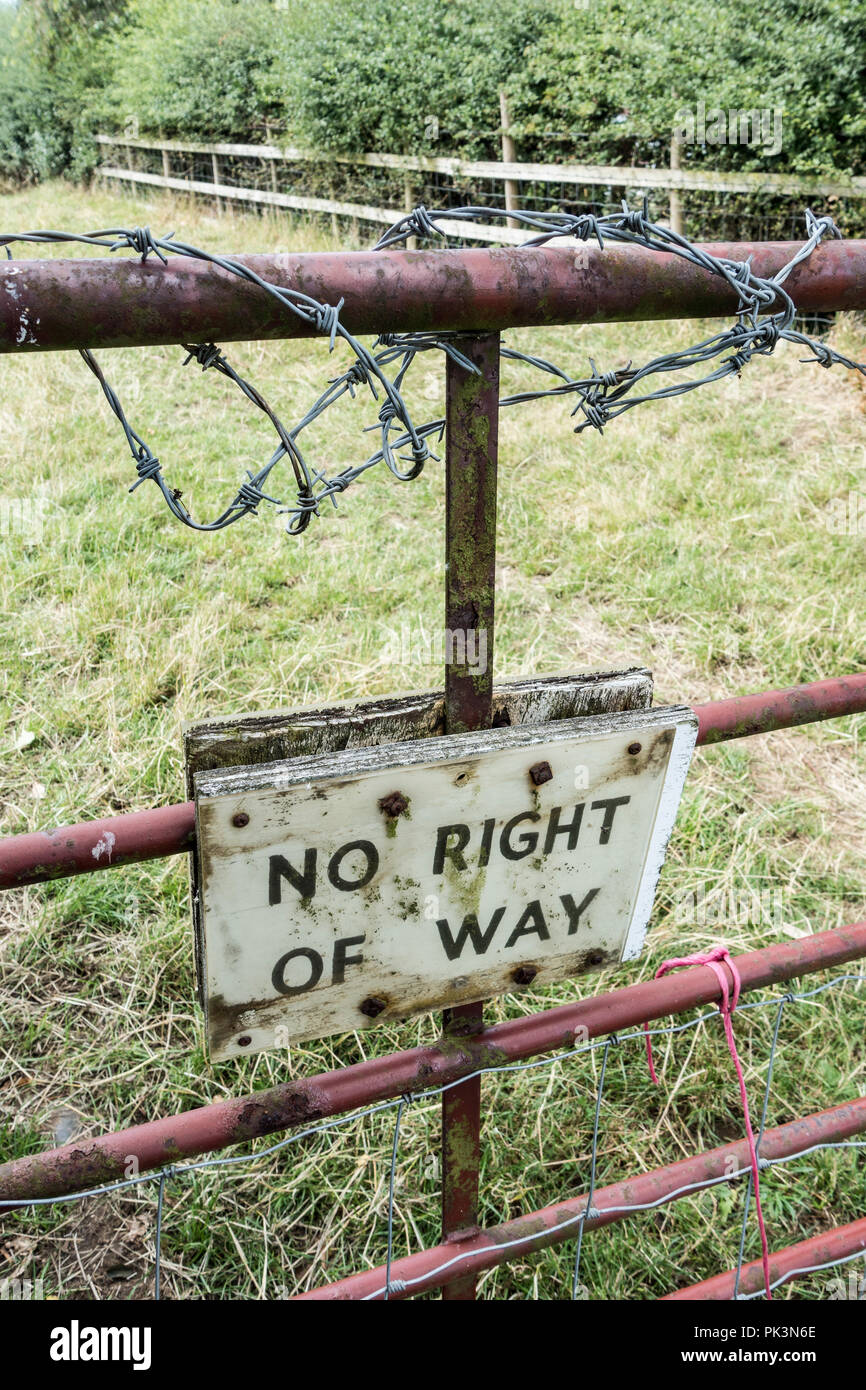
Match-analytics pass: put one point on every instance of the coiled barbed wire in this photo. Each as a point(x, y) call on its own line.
point(601, 395)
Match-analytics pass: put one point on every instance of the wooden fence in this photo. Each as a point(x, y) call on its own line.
point(507, 177)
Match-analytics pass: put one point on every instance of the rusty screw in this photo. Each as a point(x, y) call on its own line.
point(372, 1007)
point(634, 748)
point(540, 773)
point(245, 1040)
point(240, 820)
point(394, 804)
point(524, 974)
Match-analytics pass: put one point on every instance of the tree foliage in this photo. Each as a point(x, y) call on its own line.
point(198, 68)
point(31, 147)
point(417, 77)
point(607, 82)
point(590, 80)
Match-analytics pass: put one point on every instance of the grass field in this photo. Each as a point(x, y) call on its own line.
point(695, 537)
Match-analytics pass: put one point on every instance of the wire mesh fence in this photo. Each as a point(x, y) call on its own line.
point(360, 1189)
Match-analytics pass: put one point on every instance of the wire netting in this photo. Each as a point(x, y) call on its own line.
point(375, 1172)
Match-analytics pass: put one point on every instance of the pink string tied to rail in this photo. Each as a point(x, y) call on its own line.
point(716, 960)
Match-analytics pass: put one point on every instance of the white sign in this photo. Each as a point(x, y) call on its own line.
point(343, 889)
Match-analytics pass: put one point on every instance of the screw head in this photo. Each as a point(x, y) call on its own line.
point(372, 1007)
point(245, 1040)
point(540, 773)
point(634, 748)
point(240, 819)
point(524, 974)
point(394, 804)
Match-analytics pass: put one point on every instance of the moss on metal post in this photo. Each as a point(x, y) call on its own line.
point(472, 436)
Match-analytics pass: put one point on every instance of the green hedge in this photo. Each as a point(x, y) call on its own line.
point(610, 79)
point(200, 69)
point(595, 80)
point(420, 77)
point(32, 146)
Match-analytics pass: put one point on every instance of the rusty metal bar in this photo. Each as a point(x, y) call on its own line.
point(471, 456)
point(471, 448)
point(97, 844)
point(539, 1229)
point(100, 302)
point(87, 1162)
point(744, 715)
point(795, 1261)
point(142, 835)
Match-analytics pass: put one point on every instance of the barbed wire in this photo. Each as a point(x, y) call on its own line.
point(161, 1177)
point(602, 396)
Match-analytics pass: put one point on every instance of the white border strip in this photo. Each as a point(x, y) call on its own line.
point(685, 737)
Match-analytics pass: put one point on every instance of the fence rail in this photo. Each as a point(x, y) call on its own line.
point(428, 1270)
point(633, 177)
point(49, 304)
point(299, 1104)
point(378, 187)
point(139, 836)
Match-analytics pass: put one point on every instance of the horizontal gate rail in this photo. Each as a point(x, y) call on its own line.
point(91, 1162)
point(95, 303)
point(831, 1247)
point(139, 836)
point(484, 1249)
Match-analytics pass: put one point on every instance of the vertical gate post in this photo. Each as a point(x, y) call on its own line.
point(471, 442)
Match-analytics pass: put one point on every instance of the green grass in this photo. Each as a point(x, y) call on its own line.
point(692, 538)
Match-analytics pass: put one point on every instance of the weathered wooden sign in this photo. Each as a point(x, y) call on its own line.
point(339, 889)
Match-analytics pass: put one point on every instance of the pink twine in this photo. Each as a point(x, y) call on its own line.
point(727, 1006)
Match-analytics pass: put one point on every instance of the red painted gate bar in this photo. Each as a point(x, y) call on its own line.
point(537, 1230)
point(105, 301)
point(792, 1263)
point(143, 835)
point(87, 1162)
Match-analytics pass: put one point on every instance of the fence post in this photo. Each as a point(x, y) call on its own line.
point(676, 218)
point(215, 166)
point(272, 162)
point(408, 205)
point(471, 444)
point(509, 156)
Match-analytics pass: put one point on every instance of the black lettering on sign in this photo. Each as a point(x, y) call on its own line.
point(572, 829)
point(486, 841)
point(609, 805)
point(280, 868)
point(575, 913)
point(278, 977)
point(342, 958)
point(348, 885)
point(469, 931)
point(445, 851)
point(528, 841)
point(531, 923)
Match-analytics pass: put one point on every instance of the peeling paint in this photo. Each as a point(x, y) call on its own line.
point(104, 846)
